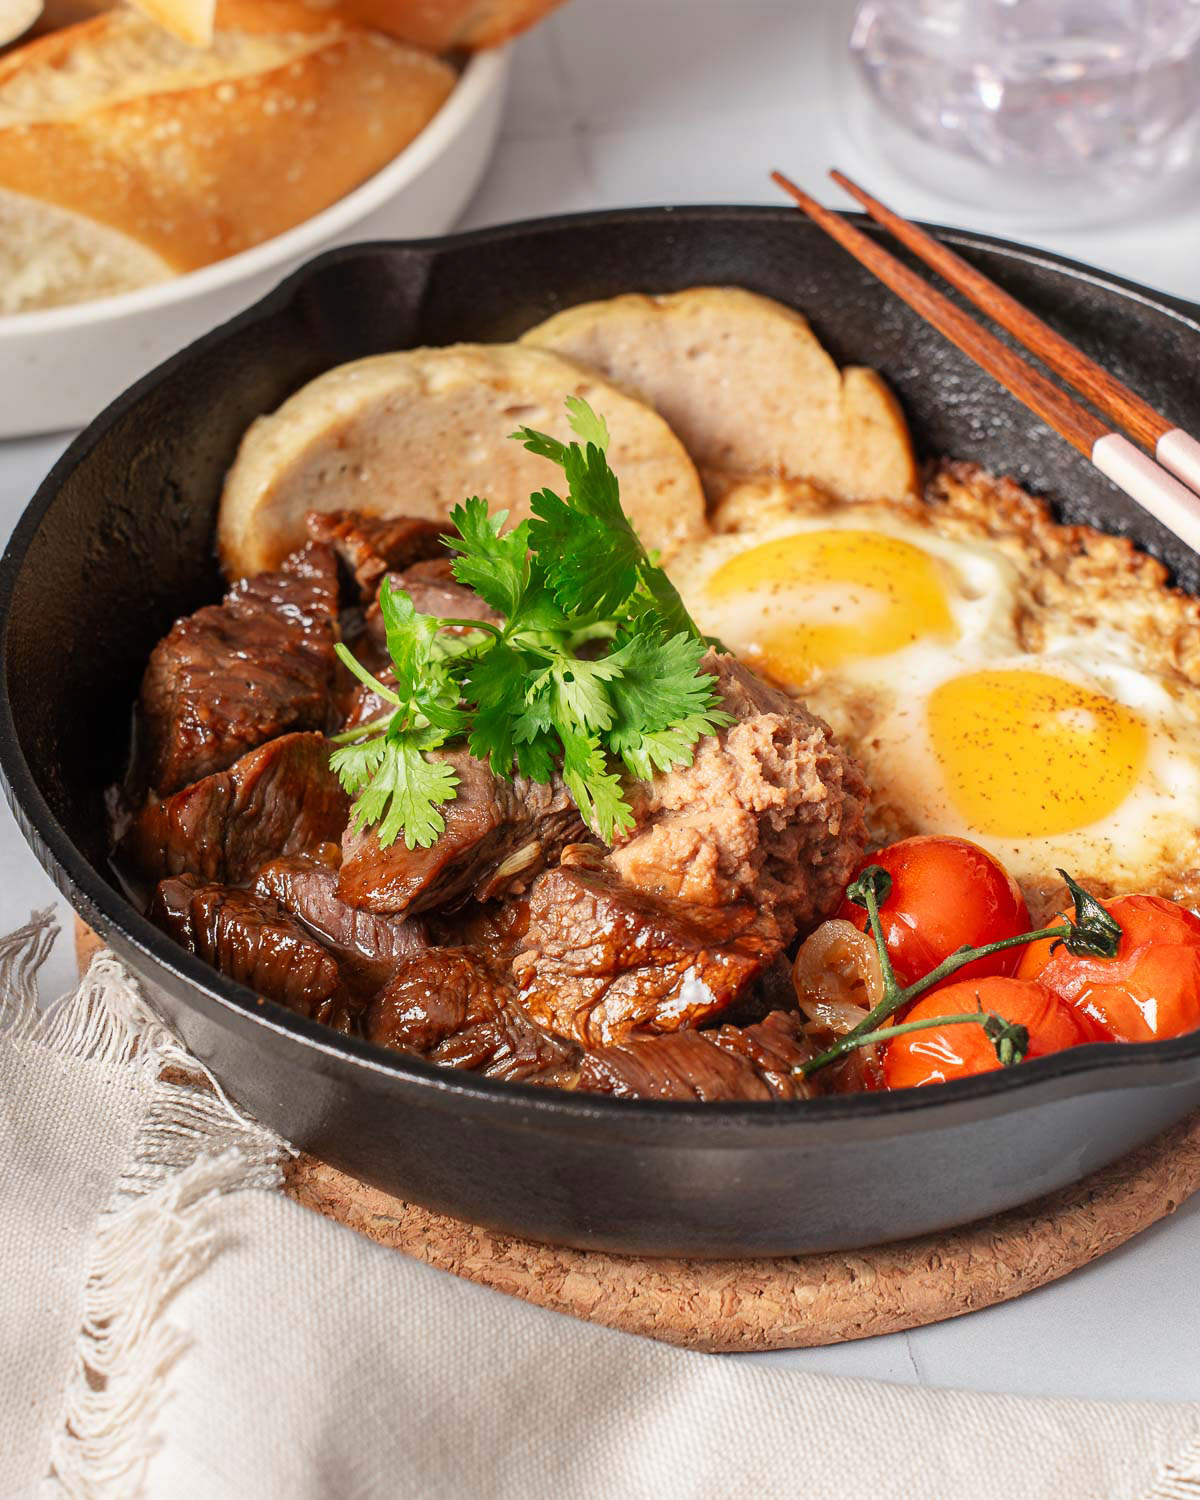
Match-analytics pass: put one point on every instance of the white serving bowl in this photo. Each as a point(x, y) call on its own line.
point(60, 366)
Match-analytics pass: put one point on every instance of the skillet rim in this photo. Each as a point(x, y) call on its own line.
point(1109, 1064)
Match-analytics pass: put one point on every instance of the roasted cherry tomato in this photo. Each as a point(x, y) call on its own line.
point(945, 893)
point(1150, 990)
point(945, 1052)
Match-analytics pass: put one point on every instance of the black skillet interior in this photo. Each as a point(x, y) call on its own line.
point(118, 542)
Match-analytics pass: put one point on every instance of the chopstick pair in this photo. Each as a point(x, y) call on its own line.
point(1142, 478)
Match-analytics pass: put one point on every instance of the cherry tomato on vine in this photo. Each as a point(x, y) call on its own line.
point(946, 892)
point(945, 1052)
point(1150, 990)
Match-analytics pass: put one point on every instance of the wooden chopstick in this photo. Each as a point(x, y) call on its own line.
point(1174, 449)
point(1145, 481)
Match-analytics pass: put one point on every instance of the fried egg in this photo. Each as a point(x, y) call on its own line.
point(910, 643)
point(858, 594)
point(1047, 761)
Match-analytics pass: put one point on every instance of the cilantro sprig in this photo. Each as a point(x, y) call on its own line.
point(593, 670)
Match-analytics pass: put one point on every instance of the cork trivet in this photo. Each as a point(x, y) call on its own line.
point(790, 1302)
point(793, 1302)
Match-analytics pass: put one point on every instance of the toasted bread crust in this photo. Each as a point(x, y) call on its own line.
point(182, 169)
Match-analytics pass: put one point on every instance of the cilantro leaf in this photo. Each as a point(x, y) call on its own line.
point(354, 765)
point(426, 685)
point(541, 443)
point(497, 685)
point(583, 422)
point(580, 696)
point(597, 791)
point(536, 745)
point(592, 569)
point(661, 602)
point(662, 703)
point(586, 424)
point(593, 557)
point(496, 566)
point(404, 787)
point(410, 637)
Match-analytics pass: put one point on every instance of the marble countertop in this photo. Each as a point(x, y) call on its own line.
point(622, 102)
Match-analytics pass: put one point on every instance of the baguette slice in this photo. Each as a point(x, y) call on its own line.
point(16, 17)
point(447, 25)
point(194, 155)
point(192, 21)
point(432, 25)
point(50, 257)
point(189, 20)
point(747, 386)
point(418, 432)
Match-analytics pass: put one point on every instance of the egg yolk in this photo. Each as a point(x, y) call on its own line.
point(1027, 755)
point(844, 594)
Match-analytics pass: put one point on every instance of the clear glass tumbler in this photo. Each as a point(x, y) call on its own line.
point(1079, 107)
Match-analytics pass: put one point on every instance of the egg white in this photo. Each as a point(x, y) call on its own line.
point(879, 704)
point(1143, 834)
point(978, 583)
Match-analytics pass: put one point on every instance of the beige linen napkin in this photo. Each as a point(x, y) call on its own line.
point(172, 1326)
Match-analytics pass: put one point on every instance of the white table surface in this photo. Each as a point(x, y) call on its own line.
point(620, 102)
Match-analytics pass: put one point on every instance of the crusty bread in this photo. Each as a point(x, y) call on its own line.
point(432, 25)
point(746, 385)
point(416, 433)
point(49, 256)
point(16, 17)
point(191, 155)
point(446, 25)
point(191, 21)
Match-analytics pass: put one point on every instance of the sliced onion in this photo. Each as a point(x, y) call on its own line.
point(837, 977)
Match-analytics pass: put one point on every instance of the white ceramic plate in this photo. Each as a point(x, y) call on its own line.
point(59, 367)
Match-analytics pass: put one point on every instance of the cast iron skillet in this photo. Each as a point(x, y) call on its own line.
point(118, 542)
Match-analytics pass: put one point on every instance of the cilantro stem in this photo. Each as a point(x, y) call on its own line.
point(487, 625)
point(352, 664)
point(856, 1038)
point(361, 731)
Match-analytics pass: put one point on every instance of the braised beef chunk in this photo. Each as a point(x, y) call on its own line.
point(772, 990)
point(370, 546)
point(452, 1008)
point(513, 1048)
point(602, 960)
point(234, 675)
point(432, 996)
point(775, 1047)
point(769, 811)
point(368, 946)
point(494, 929)
point(280, 799)
point(752, 1062)
point(499, 834)
point(433, 591)
point(251, 939)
